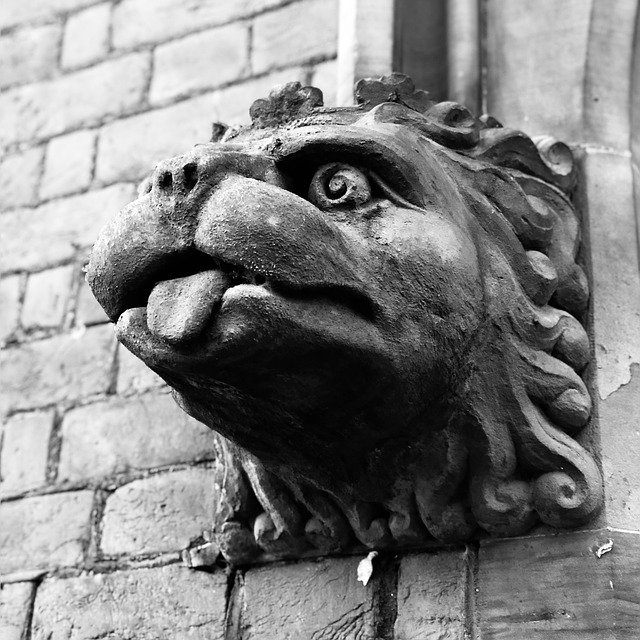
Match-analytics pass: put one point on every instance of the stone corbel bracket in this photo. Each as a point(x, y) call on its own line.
point(378, 309)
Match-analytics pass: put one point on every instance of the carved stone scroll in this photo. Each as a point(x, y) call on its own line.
point(377, 308)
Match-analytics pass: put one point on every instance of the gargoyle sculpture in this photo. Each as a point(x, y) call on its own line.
point(375, 306)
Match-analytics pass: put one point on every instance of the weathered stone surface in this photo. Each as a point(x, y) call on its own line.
point(431, 596)
point(88, 311)
point(120, 435)
point(44, 532)
point(549, 587)
point(60, 369)
point(77, 99)
point(25, 451)
point(17, 11)
point(9, 305)
point(28, 55)
point(71, 223)
point(158, 514)
point(164, 19)
point(300, 31)
point(133, 374)
point(306, 601)
point(68, 164)
point(15, 601)
point(19, 175)
point(145, 604)
point(47, 297)
point(183, 65)
point(86, 36)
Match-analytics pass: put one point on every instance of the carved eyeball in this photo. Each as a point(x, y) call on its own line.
point(338, 185)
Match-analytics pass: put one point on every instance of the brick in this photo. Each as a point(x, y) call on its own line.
point(61, 369)
point(79, 99)
point(25, 451)
point(122, 435)
point(14, 12)
point(160, 513)
point(164, 19)
point(431, 596)
point(19, 175)
point(15, 602)
point(71, 223)
point(68, 166)
point(297, 32)
point(185, 65)
point(133, 374)
point(88, 310)
point(44, 532)
point(28, 55)
point(47, 297)
point(307, 600)
point(9, 305)
point(86, 36)
point(145, 604)
point(325, 77)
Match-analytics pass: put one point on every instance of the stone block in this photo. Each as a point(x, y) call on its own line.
point(71, 223)
point(165, 19)
point(122, 435)
point(19, 176)
point(28, 55)
point(183, 66)
point(68, 166)
point(560, 586)
point(160, 513)
point(305, 601)
point(60, 369)
point(295, 33)
point(86, 36)
point(325, 77)
point(25, 451)
point(431, 596)
point(47, 297)
point(9, 305)
point(88, 310)
point(44, 532)
point(134, 376)
point(15, 602)
point(145, 604)
point(14, 12)
point(73, 100)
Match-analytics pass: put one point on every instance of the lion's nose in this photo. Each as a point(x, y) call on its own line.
point(175, 178)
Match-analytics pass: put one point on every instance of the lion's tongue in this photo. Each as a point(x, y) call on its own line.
point(180, 309)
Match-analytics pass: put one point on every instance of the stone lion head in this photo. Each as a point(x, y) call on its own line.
point(376, 307)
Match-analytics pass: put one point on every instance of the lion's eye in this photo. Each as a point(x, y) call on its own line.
point(338, 185)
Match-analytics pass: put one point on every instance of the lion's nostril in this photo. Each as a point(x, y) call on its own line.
point(190, 175)
point(165, 181)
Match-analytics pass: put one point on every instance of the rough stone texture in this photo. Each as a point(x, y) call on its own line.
point(294, 602)
point(46, 298)
point(28, 55)
point(86, 36)
point(19, 176)
point(60, 369)
point(160, 513)
point(88, 311)
point(9, 305)
point(74, 100)
point(71, 223)
point(164, 19)
point(183, 66)
point(431, 597)
point(134, 376)
point(44, 532)
point(130, 434)
point(15, 601)
point(549, 587)
point(14, 12)
point(145, 604)
point(297, 32)
point(25, 451)
point(69, 164)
